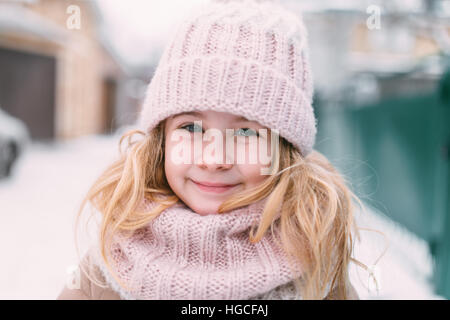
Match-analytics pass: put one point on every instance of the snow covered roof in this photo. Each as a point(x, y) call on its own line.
point(14, 18)
point(19, 19)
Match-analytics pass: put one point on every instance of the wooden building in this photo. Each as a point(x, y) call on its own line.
point(58, 72)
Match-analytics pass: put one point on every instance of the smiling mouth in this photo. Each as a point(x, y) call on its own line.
point(218, 188)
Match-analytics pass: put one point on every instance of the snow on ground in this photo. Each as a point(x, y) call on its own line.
point(39, 203)
point(404, 271)
point(38, 206)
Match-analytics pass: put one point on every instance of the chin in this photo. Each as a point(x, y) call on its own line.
point(206, 210)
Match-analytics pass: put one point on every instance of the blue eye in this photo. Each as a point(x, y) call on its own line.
point(244, 131)
point(190, 126)
point(247, 130)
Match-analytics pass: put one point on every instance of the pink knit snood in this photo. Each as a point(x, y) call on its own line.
point(183, 255)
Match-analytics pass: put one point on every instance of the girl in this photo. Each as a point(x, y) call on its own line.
point(185, 213)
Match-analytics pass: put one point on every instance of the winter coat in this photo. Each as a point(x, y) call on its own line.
point(89, 290)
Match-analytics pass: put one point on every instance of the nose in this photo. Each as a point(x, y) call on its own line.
point(212, 161)
point(215, 166)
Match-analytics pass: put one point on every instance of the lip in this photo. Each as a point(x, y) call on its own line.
point(213, 187)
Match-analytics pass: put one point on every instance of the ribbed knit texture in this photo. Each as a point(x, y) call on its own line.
point(242, 57)
point(183, 255)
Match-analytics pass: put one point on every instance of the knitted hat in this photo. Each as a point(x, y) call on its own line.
point(243, 57)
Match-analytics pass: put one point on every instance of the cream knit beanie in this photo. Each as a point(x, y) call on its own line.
point(248, 58)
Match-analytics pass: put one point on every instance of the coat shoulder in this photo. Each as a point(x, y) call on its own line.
point(351, 294)
point(89, 289)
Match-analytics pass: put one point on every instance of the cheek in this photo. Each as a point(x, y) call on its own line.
point(174, 171)
point(251, 173)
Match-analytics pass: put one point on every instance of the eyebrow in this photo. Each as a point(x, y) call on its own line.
point(193, 113)
point(198, 114)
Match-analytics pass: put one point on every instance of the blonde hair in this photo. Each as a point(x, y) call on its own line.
point(307, 194)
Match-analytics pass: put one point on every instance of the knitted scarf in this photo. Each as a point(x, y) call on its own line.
point(183, 255)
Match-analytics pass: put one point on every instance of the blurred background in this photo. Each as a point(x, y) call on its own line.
point(73, 76)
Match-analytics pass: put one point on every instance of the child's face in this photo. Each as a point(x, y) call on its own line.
point(183, 176)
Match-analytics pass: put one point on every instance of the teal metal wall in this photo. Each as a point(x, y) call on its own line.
point(396, 155)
